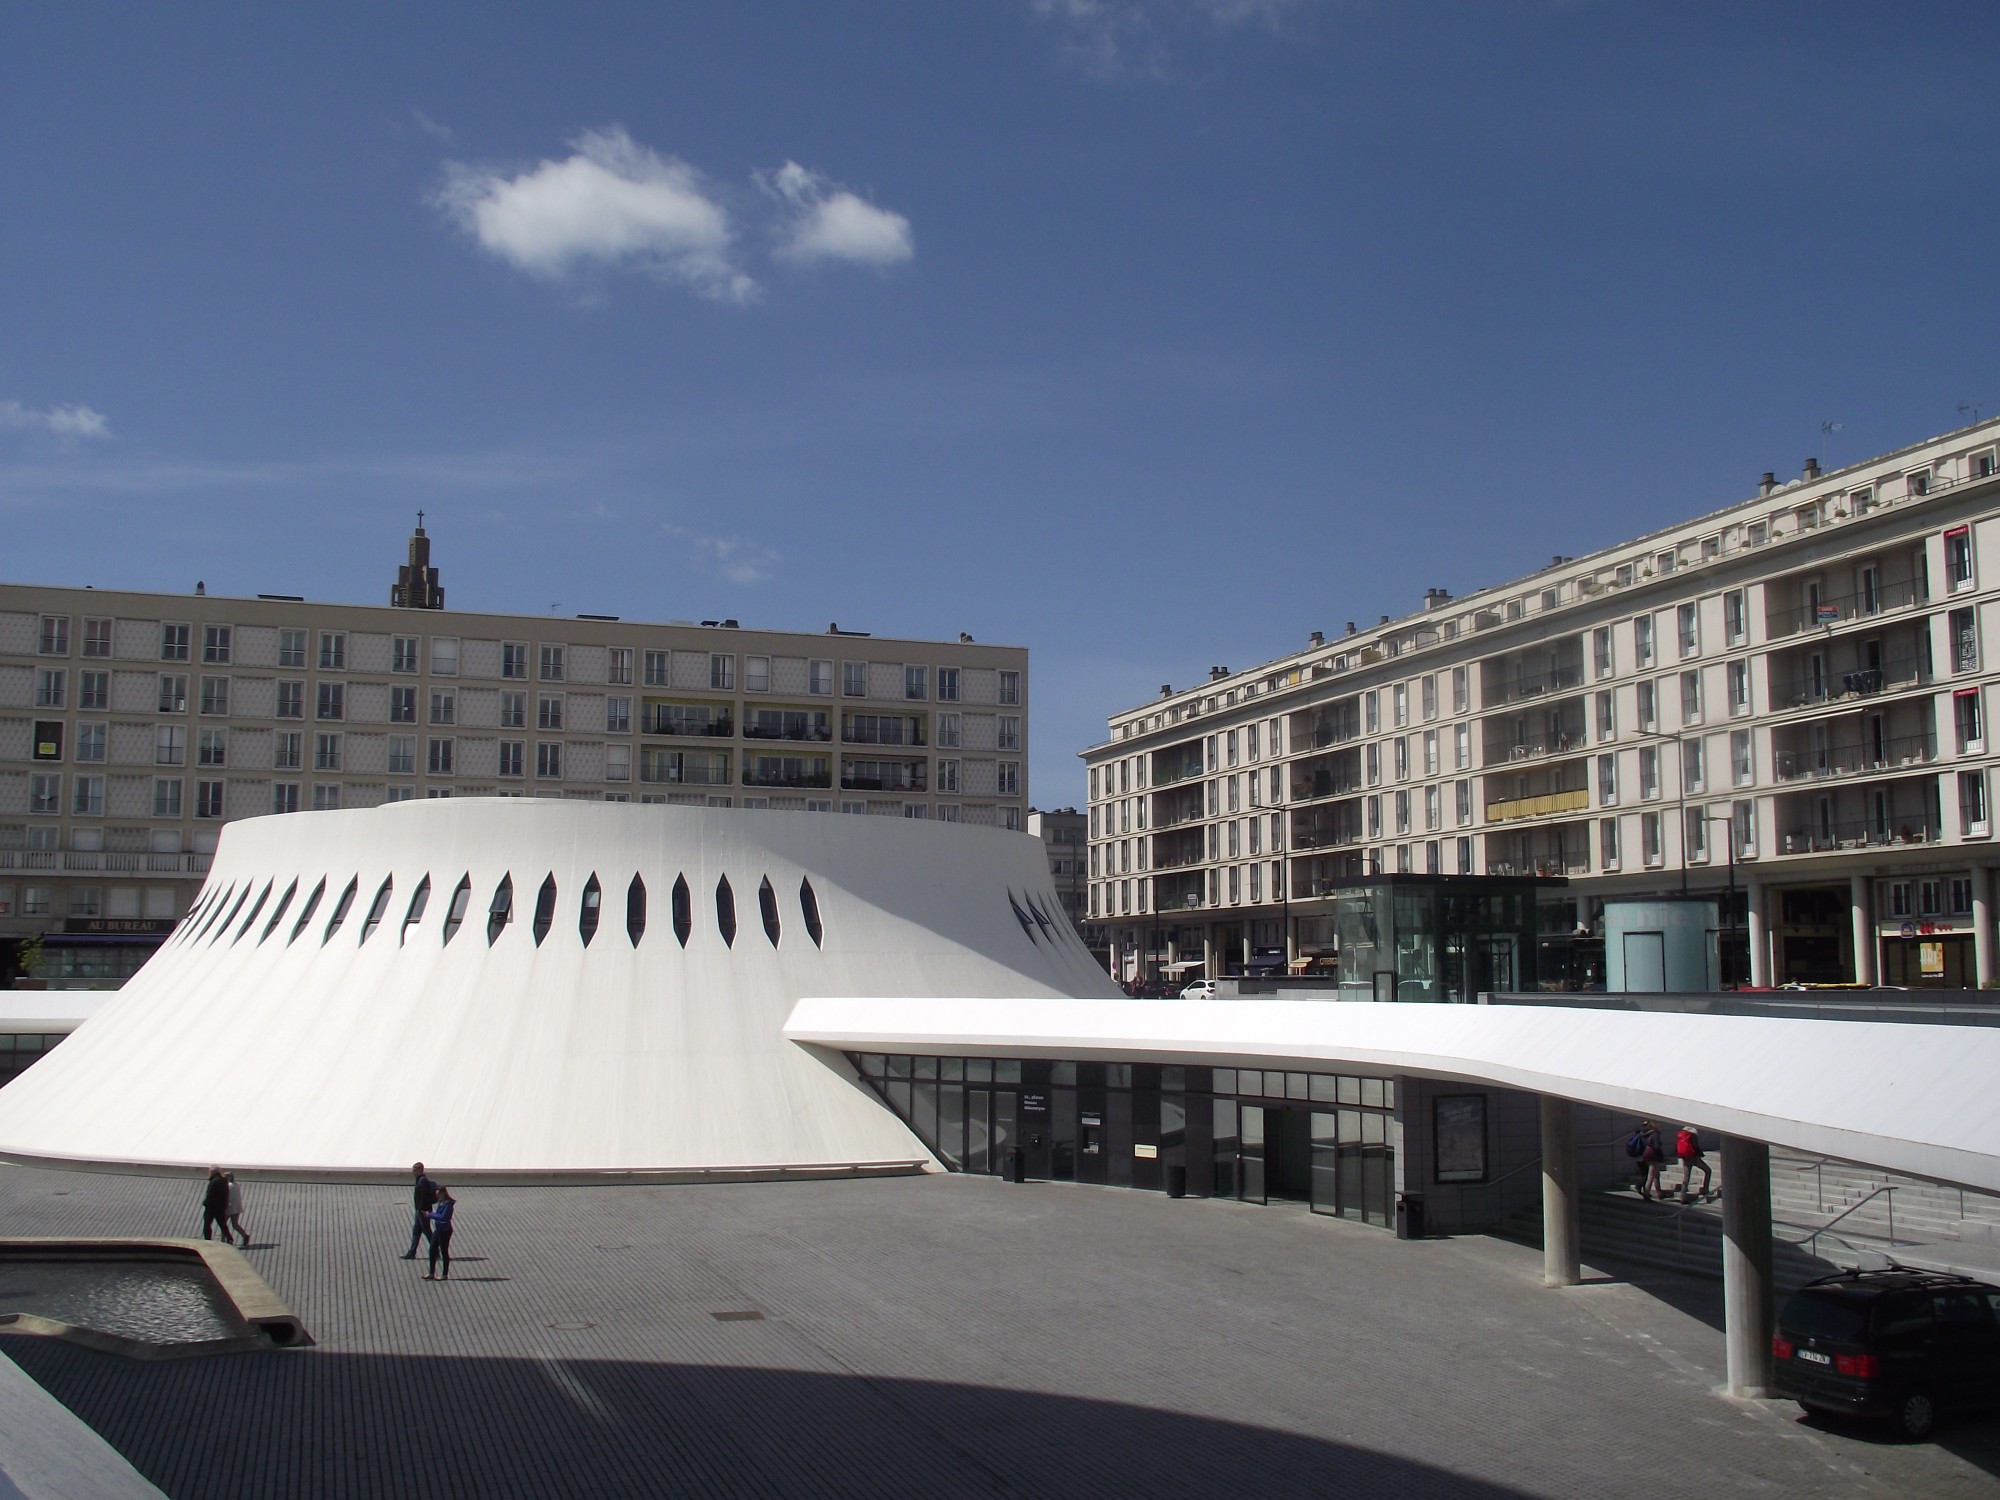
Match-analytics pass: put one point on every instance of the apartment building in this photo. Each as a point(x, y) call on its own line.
point(133, 726)
point(1061, 830)
point(1781, 704)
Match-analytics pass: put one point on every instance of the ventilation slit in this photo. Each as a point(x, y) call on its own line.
point(545, 909)
point(683, 910)
point(454, 917)
point(1027, 922)
point(809, 904)
point(725, 911)
point(501, 911)
point(376, 909)
point(263, 896)
point(767, 903)
point(312, 905)
point(284, 904)
point(635, 910)
point(226, 921)
point(586, 917)
point(418, 901)
point(214, 910)
point(340, 910)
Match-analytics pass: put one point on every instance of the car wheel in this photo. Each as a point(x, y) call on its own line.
point(1915, 1416)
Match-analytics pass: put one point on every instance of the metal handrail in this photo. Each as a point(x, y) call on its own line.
point(1888, 1188)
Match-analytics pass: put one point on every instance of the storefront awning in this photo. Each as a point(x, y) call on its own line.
point(1181, 966)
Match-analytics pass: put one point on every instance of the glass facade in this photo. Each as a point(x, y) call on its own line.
point(1322, 1138)
point(1435, 939)
point(20, 1049)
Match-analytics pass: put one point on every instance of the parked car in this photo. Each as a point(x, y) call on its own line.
point(1894, 1344)
point(1201, 989)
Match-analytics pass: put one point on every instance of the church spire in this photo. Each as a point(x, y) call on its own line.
point(417, 585)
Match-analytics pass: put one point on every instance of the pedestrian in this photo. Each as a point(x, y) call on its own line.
point(1652, 1159)
point(441, 1214)
point(423, 1194)
point(1687, 1146)
point(215, 1205)
point(235, 1207)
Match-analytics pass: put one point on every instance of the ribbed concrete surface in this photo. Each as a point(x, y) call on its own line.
point(930, 1336)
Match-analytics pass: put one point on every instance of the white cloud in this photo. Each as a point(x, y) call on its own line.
point(70, 423)
point(432, 128)
point(736, 558)
point(1128, 38)
point(612, 203)
point(824, 221)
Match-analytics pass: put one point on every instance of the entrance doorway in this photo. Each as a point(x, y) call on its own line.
point(1275, 1154)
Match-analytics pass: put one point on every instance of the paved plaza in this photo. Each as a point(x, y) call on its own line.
point(933, 1336)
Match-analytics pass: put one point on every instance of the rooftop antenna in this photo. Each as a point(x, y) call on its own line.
point(1974, 407)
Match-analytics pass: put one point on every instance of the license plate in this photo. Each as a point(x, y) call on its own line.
point(1814, 1357)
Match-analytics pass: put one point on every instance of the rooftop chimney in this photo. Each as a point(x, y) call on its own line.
point(1216, 674)
point(1768, 483)
point(1812, 468)
point(1436, 598)
point(1166, 690)
point(417, 585)
point(1350, 627)
point(1319, 638)
point(1385, 620)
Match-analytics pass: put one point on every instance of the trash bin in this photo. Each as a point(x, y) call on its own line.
point(1409, 1216)
point(1015, 1167)
point(1176, 1179)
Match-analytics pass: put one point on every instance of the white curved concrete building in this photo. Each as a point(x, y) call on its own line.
point(524, 986)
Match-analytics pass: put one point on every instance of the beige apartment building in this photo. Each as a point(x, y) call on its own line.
point(1781, 704)
point(133, 726)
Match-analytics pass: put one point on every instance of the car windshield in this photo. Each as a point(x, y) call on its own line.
point(1818, 1315)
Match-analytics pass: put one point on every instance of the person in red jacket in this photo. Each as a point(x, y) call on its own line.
point(1687, 1146)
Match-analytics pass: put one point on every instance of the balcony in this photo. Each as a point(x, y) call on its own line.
point(821, 780)
point(100, 859)
point(806, 728)
point(1821, 763)
point(1501, 689)
point(1547, 805)
point(1860, 833)
point(865, 778)
point(1326, 784)
point(877, 729)
point(1866, 682)
point(686, 722)
point(1532, 748)
point(1845, 609)
point(1168, 775)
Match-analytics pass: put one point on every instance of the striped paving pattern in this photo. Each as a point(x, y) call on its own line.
point(927, 1336)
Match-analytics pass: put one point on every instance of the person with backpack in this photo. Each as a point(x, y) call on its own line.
point(1649, 1154)
point(1687, 1146)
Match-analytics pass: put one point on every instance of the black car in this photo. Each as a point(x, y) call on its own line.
point(1903, 1345)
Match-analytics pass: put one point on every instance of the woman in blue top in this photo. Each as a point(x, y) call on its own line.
point(441, 1233)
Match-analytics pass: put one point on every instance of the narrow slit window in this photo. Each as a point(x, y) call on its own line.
point(454, 918)
point(809, 904)
point(545, 909)
point(1027, 922)
point(216, 901)
point(501, 911)
point(262, 896)
point(725, 911)
point(683, 910)
point(223, 925)
point(376, 909)
point(419, 900)
point(186, 930)
point(767, 904)
point(340, 910)
point(635, 910)
point(305, 916)
point(284, 905)
point(587, 914)
point(1041, 919)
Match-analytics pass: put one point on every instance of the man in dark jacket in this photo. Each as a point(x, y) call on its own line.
point(424, 1193)
point(215, 1205)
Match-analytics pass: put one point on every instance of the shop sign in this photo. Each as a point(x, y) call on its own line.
point(1034, 1104)
point(1930, 960)
point(118, 926)
point(1146, 1153)
point(1926, 929)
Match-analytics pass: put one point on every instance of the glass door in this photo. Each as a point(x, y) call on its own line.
point(1227, 1147)
point(1250, 1172)
point(1325, 1197)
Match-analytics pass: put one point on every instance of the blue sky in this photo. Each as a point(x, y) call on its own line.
point(1150, 336)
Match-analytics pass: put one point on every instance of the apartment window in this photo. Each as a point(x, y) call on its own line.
point(1735, 617)
point(1694, 830)
point(166, 798)
point(1743, 828)
point(45, 794)
point(1010, 732)
point(208, 799)
point(403, 705)
point(513, 710)
point(1930, 898)
point(1374, 810)
point(657, 671)
point(93, 690)
point(617, 715)
point(1600, 650)
point(211, 748)
point(1371, 712)
point(1739, 688)
point(1399, 704)
point(1607, 715)
point(174, 642)
point(1972, 803)
point(215, 645)
point(1429, 690)
point(291, 648)
point(549, 711)
point(291, 700)
point(1684, 630)
point(756, 674)
point(48, 739)
point(1461, 690)
point(915, 682)
point(1691, 697)
point(854, 679)
point(617, 762)
point(1649, 838)
point(90, 740)
point(35, 900)
point(1649, 706)
point(1010, 778)
point(169, 745)
point(53, 639)
point(444, 655)
point(1402, 748)
point(1430, 752)
point(96, 636)
point(948, 736)
point(1693, 770)
point(444, 706)
point(1463, 802)
point(1607, 780)
point(548, 760)
point(403, 654)
point(215, 695)
point(511, 752)
point(721, 671)
point(1961, 896)
point(1741, 772)
point(1607, 844)
point(51, 687)
point(402, 754)
point(1963, 627)
point(333, 650)
point(1649, 772)
point(1432, 809)
point(1968, 720)
point(1958, 558)
point(819, 678)
point(552, 663)
point(1372, 763)
point(326, 752)
point(326, 796)
point(409, 794)
point(286, 750)
point(173, 693)
point(332, 701)
point(1642, 641)
point(1010, 687)
point(439, 759)
point(88, 799)
point(947, 684)
point(1896, 898)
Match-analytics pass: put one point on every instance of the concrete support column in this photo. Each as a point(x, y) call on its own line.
point(1208, 951)
point(1746, 1264)
point(1864, 928)
point(1757, 899)
point(1982, 926)
point(1562, 1223)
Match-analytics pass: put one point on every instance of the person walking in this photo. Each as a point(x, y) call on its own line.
point(423, 1195)
point(441, 1216)
point(1652, 1159)
point(235, 1208)
point(1687, 1146)
point(215, 1205)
